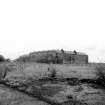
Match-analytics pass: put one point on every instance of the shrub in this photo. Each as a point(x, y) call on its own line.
point(100, 75)
point(100, 72)
point(3, 72)
point(52, 72)
point(2, 59)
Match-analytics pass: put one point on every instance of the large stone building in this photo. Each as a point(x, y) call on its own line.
point(56, 56)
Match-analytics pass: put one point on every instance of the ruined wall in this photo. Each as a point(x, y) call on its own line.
point(75, 59)
point(55, 57)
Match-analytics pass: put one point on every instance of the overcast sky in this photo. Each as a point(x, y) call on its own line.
point(31, 25)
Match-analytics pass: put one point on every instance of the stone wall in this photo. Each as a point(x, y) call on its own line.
point(55, 56)
point(75, 59)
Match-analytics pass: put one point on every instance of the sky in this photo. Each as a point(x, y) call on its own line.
point(33, 25)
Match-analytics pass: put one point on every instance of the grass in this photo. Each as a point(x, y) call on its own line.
point(33, 76)
point(68, 70)
point(9, 96)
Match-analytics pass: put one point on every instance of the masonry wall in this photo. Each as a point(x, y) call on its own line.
point(55, 57)
point(75, 59)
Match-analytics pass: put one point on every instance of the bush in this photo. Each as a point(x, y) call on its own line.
point(100, 75)
point(52, 72)
point(2, 59)
point(100, 72)
point(3, 72)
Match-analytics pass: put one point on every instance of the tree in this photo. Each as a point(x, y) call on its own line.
point(2, 59)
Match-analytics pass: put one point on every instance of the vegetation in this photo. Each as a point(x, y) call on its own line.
point(53, 73)
point(53, 88)
point(3, 72)
point(100, 75)
point(2, 59)
point(73, 81)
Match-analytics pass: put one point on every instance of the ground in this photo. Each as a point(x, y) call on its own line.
point(33, 76)
point(12, 97)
